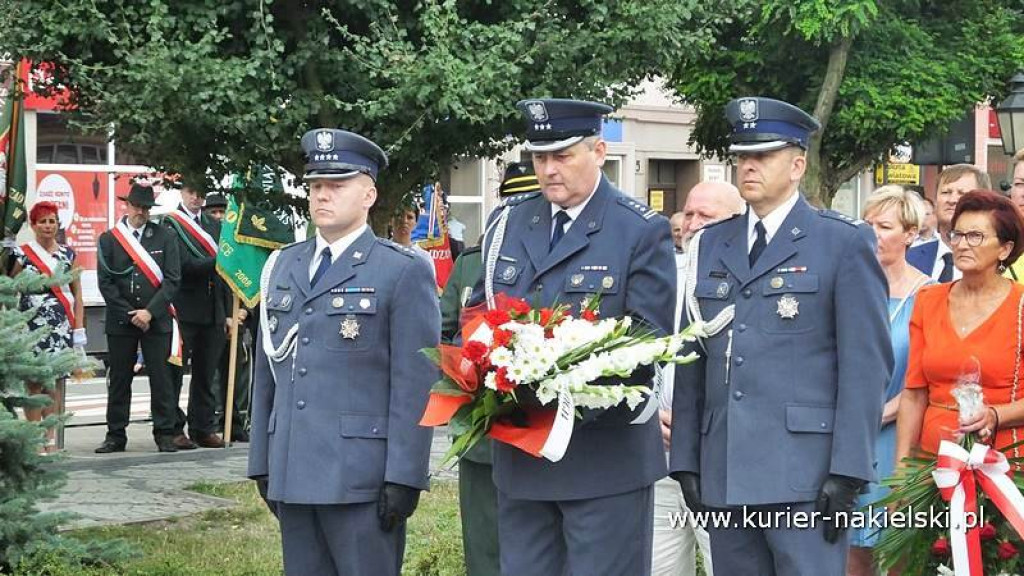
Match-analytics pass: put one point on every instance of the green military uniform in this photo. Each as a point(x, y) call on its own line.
point(477, 495)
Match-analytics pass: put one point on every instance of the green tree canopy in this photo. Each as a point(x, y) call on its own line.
point(874, 72)
point(219, 85)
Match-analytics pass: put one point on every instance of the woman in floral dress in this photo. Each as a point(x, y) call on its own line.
point(59, 308)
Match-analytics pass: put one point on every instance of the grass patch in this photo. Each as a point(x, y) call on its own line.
point(244, 540)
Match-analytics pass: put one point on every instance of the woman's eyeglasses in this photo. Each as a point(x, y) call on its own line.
point(974, 238)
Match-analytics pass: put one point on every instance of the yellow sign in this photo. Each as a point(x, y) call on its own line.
point(898, 174)
point(656, 199)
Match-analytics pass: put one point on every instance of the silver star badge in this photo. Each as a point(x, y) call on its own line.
point(788, 307)
point(349, 328)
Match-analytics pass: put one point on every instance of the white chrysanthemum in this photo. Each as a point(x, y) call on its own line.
point(501, 357)
point(491, 381)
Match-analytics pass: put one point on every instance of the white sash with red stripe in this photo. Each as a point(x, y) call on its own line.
point(123, 234)
point(47, 264)
point(196, 232)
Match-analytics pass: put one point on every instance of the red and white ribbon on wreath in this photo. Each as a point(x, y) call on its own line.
point(196, 232)
point(47, 264)
point(155, 275)
point(958, 475)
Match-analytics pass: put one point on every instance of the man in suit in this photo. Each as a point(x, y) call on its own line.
point(780, 413)
point(201, 315)
point(591, 512)
point(936, 258)
point(138, 276)
point(340, 383)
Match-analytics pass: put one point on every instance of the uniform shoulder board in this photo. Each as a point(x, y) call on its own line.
point(637, 207)
point(519, 199)
point(840, 217)
point(397, 247)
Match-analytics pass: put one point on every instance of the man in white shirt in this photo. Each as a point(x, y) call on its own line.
point(674, 550)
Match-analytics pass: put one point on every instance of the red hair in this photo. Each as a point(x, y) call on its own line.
point(41, 209)
point(1006, 218)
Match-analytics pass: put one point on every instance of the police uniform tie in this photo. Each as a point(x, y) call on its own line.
point(759, 243)
point(947, 268)
point(137, 234)
point(561, 219)
point(321, 269)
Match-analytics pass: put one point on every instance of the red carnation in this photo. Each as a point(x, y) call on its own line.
point(1006, 550)
point(519, 306)
point(502, 382)
point(987, 532)
point(501, 337)
point(545, 316)
point(941, 547)
point(474, 351)
point(589, 315)
point(495, 318)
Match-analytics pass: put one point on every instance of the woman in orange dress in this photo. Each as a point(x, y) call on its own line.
point(964, 326)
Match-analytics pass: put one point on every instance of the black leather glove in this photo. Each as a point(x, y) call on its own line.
point(690, 483)
point(395, 504)
point(262, 483)
point(838, 494)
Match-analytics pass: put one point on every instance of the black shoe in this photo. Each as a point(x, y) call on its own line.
point(165, 443)
point(241, 436)
point(109, 446)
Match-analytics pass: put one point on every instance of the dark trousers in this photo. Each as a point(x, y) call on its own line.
point(243, 383)
point(338, 540)
point(605, 536)
point(123, 350)
point(777, 550)
point(478, 505)
point(203, 346)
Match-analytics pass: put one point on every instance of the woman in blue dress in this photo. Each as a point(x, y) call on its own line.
point(59, 308)
point(896, 215)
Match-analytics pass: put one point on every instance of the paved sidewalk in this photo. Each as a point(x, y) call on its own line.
point(142, 485)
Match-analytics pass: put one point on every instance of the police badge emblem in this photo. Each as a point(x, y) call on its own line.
point(538, 112)
point(607, 282)
point(723, 290)
point(364, 303)
point(508, 273)
point(748, 110)
point(788, 307)
point(325, 141)
point(272, 324)
point(349, 328)
point(576, 280)
point(286, 299)
point(776, 282)
point(338, 302)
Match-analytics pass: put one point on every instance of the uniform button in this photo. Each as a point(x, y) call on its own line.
point(824, 425)
point(309, 311)
point(300, 404)
point(739, 360)
point(747, 293)
point(737, 395)
point(302, 371)
point(305, 340)
point(742, 328)
point(374, 430)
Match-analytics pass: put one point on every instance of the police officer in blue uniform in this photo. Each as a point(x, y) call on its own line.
point(340, 383)
point(781, 411)
point(590, 513)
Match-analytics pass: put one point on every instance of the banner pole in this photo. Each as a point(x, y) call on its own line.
point(229, 397)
